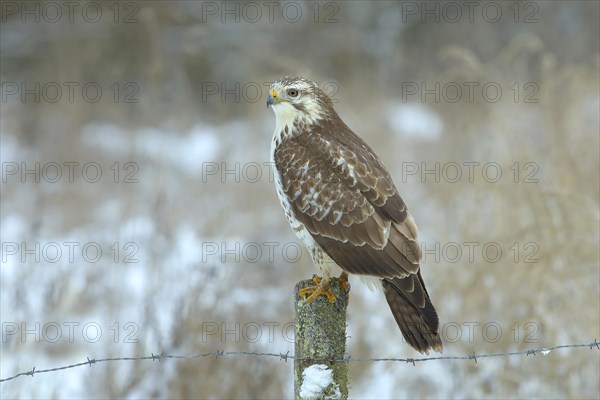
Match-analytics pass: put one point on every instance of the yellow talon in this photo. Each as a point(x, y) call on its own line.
point(321, 288)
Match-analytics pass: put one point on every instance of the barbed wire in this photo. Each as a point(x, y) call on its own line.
point(284, 357)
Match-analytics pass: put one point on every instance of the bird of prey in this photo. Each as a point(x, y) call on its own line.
point(342, 203)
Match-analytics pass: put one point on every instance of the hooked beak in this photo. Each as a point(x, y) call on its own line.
point(272, 98)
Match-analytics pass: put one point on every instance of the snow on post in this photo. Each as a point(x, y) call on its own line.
point(317, 383)
point(320, 337)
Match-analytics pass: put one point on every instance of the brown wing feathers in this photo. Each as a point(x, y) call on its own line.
point(346, 199)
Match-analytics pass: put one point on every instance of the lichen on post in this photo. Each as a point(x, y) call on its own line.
point(320, 338)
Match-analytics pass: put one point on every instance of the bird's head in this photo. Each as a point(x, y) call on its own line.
point(293, 97)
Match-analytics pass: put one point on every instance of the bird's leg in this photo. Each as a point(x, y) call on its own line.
point(321, 288)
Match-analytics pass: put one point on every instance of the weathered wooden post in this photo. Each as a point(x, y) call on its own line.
point(320, 337)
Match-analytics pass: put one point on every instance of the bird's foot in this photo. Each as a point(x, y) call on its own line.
point(321, 288)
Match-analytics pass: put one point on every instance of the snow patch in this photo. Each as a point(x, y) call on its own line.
point(108, 137)
point(317, 382)
point(186, 152)
point(415, 120)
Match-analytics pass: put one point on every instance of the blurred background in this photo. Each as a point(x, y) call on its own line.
point(139, 214)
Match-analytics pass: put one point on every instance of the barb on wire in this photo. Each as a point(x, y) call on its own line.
point(285, 356)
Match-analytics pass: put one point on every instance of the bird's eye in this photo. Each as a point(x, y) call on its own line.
point(292, 92)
